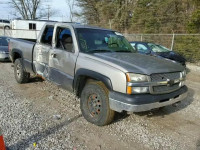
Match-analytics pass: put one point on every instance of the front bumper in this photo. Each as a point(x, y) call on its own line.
point(144, 102)
point(4, 57)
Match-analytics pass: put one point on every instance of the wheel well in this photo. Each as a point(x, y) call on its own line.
point(83, 80)
point(80, 84)
point(16, 56)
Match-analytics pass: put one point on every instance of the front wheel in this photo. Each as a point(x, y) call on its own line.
point(95, 104)
point(21, 75)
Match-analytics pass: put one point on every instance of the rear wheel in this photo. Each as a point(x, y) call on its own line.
point(95, 104)
point(21, 75)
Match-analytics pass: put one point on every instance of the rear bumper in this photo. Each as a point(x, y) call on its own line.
point(4, 57)
point(139, 103)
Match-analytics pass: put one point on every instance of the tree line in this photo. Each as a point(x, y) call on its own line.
point(143, 16)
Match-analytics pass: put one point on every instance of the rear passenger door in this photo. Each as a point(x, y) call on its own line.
point(63, 57)
point(41, 51)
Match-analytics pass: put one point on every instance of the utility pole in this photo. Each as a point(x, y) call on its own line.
point(173, 37)
point(48, 12)
point(110, 23)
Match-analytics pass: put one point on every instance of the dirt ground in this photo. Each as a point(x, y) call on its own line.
point(39, 115)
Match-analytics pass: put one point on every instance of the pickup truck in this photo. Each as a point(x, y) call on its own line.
point(101, 68)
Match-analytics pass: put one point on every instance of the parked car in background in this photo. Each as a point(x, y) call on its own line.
point(4, 24)
point(158, 50)
point(4, 52)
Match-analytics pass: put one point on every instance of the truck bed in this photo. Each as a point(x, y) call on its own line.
point(25, 48)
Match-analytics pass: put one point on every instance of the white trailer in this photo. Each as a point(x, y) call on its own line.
point(26, 29)
point(28, 24)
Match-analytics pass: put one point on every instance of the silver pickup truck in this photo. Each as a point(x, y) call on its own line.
point(100, 67)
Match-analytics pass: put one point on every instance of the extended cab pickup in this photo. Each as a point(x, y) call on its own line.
point(100, 67)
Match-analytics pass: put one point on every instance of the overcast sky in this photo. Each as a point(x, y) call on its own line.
point(60, 5)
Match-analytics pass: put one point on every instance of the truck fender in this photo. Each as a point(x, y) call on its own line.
point(17, 51)
point(82, 75)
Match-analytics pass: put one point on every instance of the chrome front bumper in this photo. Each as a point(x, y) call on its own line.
point(121, 106)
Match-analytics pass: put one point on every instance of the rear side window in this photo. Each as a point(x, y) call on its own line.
point(47, 35)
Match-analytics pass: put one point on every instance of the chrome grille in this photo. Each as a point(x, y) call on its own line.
point(164, 77)
point(164, 88)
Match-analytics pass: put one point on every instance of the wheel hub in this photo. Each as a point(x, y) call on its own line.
point(94, 105)
point(18, 71)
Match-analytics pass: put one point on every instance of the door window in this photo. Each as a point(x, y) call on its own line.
point(64, 39)
point(142, 48)
point(47, 35)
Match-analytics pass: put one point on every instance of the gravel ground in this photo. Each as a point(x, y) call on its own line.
point(39, 115)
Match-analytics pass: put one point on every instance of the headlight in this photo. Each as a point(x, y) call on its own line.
point(137, 90)
point(2, 52)
point(132, 77)
point(136, 78)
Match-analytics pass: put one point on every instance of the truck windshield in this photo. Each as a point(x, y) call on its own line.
point(97, 40)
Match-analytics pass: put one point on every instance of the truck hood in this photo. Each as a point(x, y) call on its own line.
point(138, 63)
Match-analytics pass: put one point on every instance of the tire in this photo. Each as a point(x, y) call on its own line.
point(21, 75)
point(95, 104)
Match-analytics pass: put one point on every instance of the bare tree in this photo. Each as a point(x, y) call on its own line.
point(31, 9)
point(26, 8)
point(70, 4)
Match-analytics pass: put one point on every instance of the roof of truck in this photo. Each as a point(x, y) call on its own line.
point(78, 25)
point(88, 26)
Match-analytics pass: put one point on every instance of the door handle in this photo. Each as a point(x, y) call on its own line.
point(53, 55)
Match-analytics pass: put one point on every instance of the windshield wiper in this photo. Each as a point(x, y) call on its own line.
point(99, 51)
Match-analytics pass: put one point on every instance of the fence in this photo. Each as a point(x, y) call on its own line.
point(187, 45)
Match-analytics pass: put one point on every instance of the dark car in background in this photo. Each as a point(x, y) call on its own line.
point(4, 52)
point(158, 51)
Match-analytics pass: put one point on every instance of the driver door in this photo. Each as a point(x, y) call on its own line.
point(62, 59)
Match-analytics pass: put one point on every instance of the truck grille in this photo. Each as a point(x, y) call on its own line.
point(163, 77)
point(164, 88)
